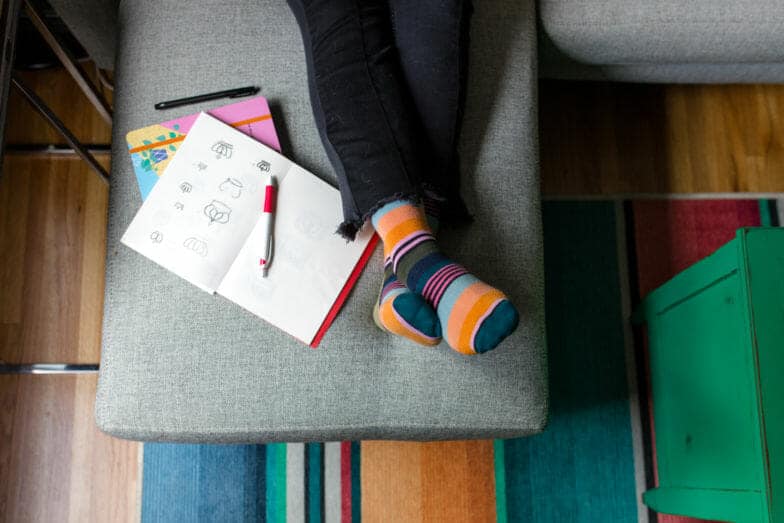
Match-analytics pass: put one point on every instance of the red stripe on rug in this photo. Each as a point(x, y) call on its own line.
point(345, 481)
point(671, 235)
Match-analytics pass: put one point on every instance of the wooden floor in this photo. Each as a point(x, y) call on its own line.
point(622, 139)
point(54, 463)
point(596, 139)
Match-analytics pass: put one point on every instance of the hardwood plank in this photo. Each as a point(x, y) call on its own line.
point(611, 138)
point(53, 248)
point(14, 197)
point(54, 463)
point(93, 267)
point(449, 481)
point(60, 92)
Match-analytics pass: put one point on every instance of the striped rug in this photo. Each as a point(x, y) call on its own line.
point(311, 482)
point(591, 464)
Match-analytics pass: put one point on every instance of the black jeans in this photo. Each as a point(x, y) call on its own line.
point(387, 87)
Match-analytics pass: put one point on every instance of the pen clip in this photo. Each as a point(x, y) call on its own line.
point(270, 249)
point(245, 92)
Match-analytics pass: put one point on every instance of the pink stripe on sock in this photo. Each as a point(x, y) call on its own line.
point(439, 292)
point(398, 254)
point(411, 327)
point(434, 280)
point(395, 284)
point(414, 234)
point(481, 319)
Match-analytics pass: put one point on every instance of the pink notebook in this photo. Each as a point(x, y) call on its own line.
point(152, 147)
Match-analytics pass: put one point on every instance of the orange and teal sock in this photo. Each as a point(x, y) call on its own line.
point(474, 316)
point(402, 312)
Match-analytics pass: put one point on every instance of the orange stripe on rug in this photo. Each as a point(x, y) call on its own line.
point(440, 481)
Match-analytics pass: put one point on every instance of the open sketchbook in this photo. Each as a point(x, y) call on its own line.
point(200, 222)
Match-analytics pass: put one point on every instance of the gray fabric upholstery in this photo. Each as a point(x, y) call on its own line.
point(94, 24)
point(648, 32)
point(553, 64)
point(669, 73)
point(178, 364)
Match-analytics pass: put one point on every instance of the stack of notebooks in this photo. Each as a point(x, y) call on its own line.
point(202, 181)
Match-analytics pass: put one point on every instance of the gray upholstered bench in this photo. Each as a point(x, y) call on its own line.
point(180, 365)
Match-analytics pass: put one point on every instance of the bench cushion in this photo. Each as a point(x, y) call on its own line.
point(180, 365)
point(708, 34)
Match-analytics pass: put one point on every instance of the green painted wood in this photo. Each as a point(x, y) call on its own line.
point(716, 334)
point(739, 507)
point(704, 402)
point(765, 265)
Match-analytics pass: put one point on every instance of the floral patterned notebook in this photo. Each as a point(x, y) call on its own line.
point(153, 147)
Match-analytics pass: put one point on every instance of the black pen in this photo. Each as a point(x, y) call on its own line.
point(229, 93)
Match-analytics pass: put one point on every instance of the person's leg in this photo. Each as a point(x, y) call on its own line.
point(432, 42)
point(474, 316)
point(361, 104)
point(369, 129)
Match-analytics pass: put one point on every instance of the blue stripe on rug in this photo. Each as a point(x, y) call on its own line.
point(314, 482)
point(356, 483)
point(190, 483)
point(581, 469)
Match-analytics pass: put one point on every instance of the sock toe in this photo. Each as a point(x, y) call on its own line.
point(500, 324)
point(418, 313)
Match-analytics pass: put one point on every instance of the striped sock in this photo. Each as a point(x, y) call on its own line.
point(474, 317)
point(402, 312)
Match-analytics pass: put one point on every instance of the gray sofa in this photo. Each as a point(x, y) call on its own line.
point(179, 365)
point(672, 41)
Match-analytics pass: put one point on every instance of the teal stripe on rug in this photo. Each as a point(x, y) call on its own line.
point(276, 483)
point(581, 469)
point(191, 483)
point(314, 474)
point(499, 465)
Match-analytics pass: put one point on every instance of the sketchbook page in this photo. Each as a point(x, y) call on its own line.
point(203, 208)
point(310, 264)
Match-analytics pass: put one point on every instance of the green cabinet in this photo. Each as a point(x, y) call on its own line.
point(716, 339)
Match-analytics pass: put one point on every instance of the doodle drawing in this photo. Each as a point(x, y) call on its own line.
point(186, 187)
point(179, 206)
point(196, 245)
point(232, 186)
point(264, 166)
point(217, 212)
point(200, 166)
point(222, 149)
point(156, 236)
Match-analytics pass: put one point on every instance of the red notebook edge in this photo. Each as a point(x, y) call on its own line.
point(345, 291)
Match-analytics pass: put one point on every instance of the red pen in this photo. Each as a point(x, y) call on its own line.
point(268, 220)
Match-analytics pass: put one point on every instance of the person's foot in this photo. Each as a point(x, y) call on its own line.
point(474, 316)
point(402, 312)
